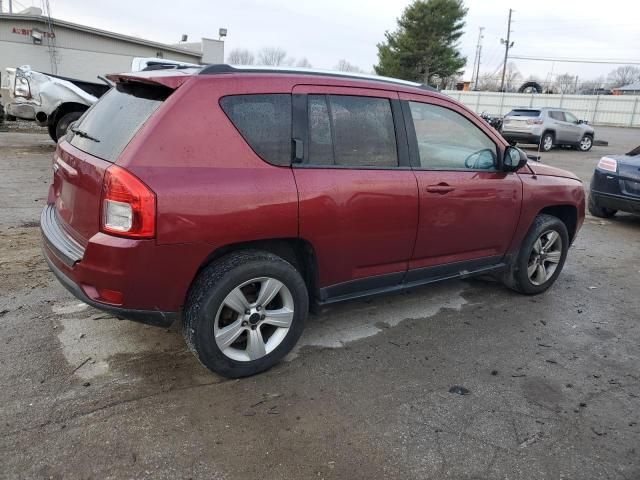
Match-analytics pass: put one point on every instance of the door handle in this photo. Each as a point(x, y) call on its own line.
point(441, 188)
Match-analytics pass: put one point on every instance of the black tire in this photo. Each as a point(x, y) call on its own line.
point(52, 132)
point(586, 143)
point(206, 297)
point(62, 124)
point(545, 145)
point(517, 277)
point(598, 211)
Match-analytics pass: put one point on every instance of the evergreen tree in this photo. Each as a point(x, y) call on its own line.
point(424, 48)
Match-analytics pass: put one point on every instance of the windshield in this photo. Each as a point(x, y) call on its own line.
point(110, 124)
point(524, 113)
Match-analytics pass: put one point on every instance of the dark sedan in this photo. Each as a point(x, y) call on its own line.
point(616, 185)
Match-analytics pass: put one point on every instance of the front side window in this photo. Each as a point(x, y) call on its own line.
point(449, 141)
point(264, 121)
point(569, 117)
point(351, 131)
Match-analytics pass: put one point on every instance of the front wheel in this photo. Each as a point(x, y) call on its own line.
point(245, 312)
point(63, 123)
point(598, 211)
point(541, 256)
point(586, 143)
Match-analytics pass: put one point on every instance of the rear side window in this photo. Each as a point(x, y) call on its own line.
point(523, 113)
point(557, 115)
point(110, 124)
point(351, 131)
point(264, 121)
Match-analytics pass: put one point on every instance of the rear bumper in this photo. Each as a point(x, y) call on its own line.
point(150, 317)
point(152, 279)
point(522, 137)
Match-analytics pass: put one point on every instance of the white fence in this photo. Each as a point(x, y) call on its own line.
point(614, 110)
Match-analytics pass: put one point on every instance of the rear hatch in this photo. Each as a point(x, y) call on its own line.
point(92, 145)
point(520, 119)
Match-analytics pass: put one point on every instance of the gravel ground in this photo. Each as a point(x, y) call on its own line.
point(553, 381)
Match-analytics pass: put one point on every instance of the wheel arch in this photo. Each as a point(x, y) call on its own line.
point(297, 251)
point(568, 214)
point(65, 108)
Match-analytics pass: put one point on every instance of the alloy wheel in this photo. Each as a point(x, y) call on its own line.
point(585, 143)
point(544, 257)
point(253, 319)
point(548, 142)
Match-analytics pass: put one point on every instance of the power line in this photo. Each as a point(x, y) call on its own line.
point(578, 60)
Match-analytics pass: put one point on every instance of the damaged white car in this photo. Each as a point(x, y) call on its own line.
point(49, 100)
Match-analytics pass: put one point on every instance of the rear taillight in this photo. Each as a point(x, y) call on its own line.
point(128, 205)
point(608, 164)
point(534, 121)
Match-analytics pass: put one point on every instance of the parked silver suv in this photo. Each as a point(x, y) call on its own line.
point(547, 127)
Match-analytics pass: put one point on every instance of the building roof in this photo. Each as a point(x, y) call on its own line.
point(96, 31)
point(632, 87)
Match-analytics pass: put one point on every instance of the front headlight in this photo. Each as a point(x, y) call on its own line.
point(22, 88)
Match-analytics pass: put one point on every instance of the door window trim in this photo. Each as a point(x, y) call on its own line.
point(301, 131)
point(412, 138)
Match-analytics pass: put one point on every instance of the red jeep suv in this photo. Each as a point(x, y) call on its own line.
point(238, 198)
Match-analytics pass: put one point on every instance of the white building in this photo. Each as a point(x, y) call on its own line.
point(70, 50)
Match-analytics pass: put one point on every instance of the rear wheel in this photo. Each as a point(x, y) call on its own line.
point(599, 211)
point(546, 142)
point(541, 256)
point(245, 312)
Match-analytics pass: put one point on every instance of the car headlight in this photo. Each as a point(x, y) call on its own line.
point(21, 88)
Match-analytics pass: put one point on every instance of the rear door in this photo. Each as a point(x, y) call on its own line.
point(358, 196)
point(468, 208)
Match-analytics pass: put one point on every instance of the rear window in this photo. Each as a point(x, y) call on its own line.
point(524, 113)
point(109, 125)
point(264, 121)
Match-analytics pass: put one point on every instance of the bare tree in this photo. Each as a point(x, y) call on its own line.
point(512, 78)
point(566, 83)
point(591, 87)
point(624, 75)
point(488, 83)
point(303, 63)
point(272, 56)
point(240, 56)
point(344, 66)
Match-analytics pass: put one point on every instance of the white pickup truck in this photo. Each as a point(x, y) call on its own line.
point(54, 101)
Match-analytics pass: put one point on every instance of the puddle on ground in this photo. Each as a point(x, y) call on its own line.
point(342, 324)
point(92, 339)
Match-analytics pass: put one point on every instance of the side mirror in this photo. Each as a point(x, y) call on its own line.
point(514, 159)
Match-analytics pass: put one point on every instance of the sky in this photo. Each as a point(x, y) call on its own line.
point(330, 30)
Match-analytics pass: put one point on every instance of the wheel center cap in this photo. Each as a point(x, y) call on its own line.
point(254, 318)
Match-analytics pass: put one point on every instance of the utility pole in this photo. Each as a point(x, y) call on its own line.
point(10, 6)
point(476, 61)
point(507, 45)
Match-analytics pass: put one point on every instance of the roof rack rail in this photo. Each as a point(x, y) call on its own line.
point(225, 68)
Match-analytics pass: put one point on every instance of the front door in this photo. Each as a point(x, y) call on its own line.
point(468, 208)
point(357, 194)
